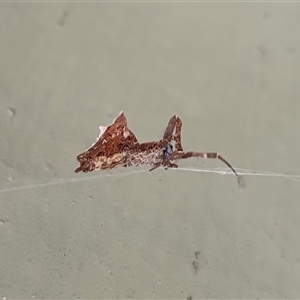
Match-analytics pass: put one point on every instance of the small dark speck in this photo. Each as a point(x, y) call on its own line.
point(110, 115)
point(197, 254)
point(11, 112)
point(61, 21)
point(48, 166)
point(3, 221)
point(262, 52)
point(195, 266)
point(241, 182)
point(189, 298)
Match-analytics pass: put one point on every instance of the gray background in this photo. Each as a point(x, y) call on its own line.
point(229, 70)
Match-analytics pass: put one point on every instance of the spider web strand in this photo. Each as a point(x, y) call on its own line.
point(220, 171)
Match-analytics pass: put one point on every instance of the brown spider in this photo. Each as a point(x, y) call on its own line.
point(118, 146)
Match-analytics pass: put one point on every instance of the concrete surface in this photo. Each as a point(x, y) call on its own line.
point(231, 72)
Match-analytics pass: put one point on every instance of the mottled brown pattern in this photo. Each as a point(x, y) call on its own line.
point(118, 146)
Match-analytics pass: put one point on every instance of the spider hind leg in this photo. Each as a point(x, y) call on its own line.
point(215, 155)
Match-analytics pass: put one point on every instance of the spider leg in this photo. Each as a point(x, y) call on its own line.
point(170, 128)
point(155, 167)
point(177, 136)
point(174, 124)
point(215, 155)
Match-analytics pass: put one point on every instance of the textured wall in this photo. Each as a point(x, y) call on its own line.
point(229, 70)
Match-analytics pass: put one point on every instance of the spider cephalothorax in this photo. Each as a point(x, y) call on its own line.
point(168, 151)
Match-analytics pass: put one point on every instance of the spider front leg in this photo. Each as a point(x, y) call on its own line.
point(215, 155)
point(174, 124)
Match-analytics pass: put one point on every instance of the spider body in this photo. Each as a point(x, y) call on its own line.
point(168, 152)
point(118, 146)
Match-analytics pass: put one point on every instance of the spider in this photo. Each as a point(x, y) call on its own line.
point(118, 146)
